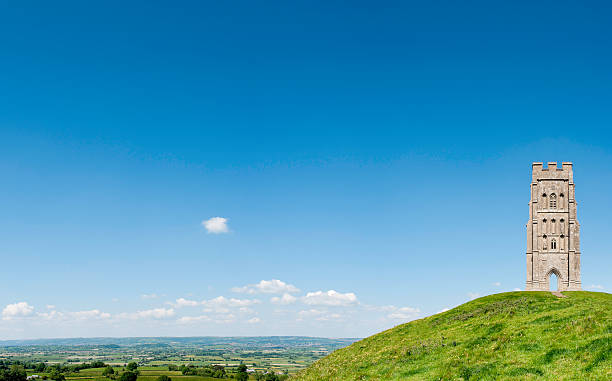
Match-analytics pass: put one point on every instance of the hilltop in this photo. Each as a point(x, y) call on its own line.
point(508, 336)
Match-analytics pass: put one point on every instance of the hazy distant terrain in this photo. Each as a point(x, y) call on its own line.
point(280, 353)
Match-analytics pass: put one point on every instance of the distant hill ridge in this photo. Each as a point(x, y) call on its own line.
point(508, 336)
point(133, 341)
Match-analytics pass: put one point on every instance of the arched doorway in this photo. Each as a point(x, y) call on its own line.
point(554, 280)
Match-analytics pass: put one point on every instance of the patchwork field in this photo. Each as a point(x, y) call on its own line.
point(145, 374)
point(282, 355)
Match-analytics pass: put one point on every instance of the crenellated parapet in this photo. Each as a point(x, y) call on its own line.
point(552, 171)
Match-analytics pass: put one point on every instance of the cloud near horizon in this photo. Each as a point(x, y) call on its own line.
point(154, 313)
point(285, 299)
point(19, 309)
point(273, 286)
point(91, 314)
point(329, 298)
point(223, 315)
point(220, 303)
point(595, 287)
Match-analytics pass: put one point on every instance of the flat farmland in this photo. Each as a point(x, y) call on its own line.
point(155, 356)
point(145, 374)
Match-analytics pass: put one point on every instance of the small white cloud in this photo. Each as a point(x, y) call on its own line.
point(155, 313)
point(254, 320)
point(193, 319)
point(91, 314)
point(182, 302)
point(115, 300)
point(330, 317)
point(596, 287)
point(404, 313)
point(220, 304)
point(225, 319)
point(149, 296)
point(516, 289)
point(319, 315)
point(15, 310)
point(230, 302)
point(50, 306)
point(394, 312)
point(442, 310)
point(329, 298)
point(285, 299)
point(496, 284)
point(216, 225)
point(246, 310)
point(473, 295)
point(223, 305)
point(51, 315)
point(273, 286)
point(310, 313)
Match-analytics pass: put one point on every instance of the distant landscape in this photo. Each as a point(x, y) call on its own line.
point(305, 190)
point(181, 358)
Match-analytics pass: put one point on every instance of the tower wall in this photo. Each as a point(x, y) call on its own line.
point(553, 231)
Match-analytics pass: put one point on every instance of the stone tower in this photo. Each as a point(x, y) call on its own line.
point(553, 232)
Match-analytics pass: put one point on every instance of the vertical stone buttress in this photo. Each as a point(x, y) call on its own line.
point(553, 231)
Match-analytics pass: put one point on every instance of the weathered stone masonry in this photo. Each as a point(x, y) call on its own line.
point(553, 231)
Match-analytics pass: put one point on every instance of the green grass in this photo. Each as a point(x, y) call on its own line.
point(509, 336)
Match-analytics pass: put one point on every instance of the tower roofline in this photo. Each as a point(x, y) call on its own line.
point(552, 171)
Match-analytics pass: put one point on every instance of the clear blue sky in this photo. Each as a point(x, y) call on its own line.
point(379, 149)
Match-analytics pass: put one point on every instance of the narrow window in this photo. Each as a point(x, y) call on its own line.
point(562, 243)
point(553, 244)
point(562, 225)
point(552, 201)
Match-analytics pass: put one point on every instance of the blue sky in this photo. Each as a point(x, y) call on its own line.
point(381, 151)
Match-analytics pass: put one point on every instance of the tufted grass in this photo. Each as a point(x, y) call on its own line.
point(508, 336)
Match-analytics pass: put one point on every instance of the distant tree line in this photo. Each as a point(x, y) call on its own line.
point(16, 370)
point(215, 371)
point(270, 375)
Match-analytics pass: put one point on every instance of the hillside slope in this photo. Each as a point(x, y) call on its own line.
point(509, 336)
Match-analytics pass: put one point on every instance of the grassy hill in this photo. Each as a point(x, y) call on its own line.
point(509, 336)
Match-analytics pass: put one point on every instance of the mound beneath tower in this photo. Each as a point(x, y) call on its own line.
point(509, 336)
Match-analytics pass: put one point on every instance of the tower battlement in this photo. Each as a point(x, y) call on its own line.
point(552, 172)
